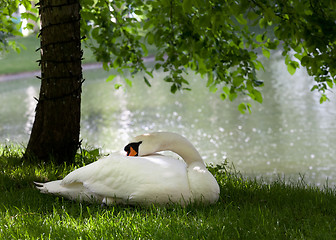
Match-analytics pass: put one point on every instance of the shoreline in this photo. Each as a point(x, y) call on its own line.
point(37, 73)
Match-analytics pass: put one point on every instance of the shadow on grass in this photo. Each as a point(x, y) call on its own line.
point(246, 208)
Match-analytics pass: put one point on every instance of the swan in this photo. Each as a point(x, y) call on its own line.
point(143, 176)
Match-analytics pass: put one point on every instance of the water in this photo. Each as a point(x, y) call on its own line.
point(289, 136)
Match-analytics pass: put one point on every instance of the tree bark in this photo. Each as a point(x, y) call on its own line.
point(55, 131)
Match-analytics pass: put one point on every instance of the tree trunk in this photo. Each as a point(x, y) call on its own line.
point(57, 121)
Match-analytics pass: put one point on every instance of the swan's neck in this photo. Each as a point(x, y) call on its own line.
point(181, 146)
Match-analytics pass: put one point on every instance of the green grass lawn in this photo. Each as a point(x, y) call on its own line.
point(247, 209)
point(13, 62)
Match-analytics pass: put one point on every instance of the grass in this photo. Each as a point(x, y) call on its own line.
point(247, 209)
point(13, 62)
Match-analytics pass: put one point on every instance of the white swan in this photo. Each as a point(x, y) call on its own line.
point(143, 177)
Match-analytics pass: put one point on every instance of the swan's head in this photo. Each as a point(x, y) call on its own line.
point(132, 148)
point(144, 145)
point(147, 144)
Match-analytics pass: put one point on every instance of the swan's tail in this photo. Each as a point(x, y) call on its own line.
point(74, 191)
point(53, 187)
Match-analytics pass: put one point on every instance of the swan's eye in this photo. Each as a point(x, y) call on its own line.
point(132, 149)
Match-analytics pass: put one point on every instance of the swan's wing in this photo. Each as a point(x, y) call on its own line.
point(100, 177)
point(132, 177)
point(203, 184)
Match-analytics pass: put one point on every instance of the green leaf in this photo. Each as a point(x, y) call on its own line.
point(314, 88)
point(144, 49)
point(118, 62)
point(129, 82)
point(117, 86)
point(258, 65)
point(28, 15)
point(138, 12)
point(110, 78)
point(150, 38)
point(252, 15)
point(147, 82)
point(287, 59)
point(330, 83)
point(272, 44)
point(298, 56)
point(30, 26)
point(173, 88)
point(240, 18)
point(95, 33)
point(149, 73)
point(262, 23)
point(232, 96)
point(323, 98)
point(105, 66)
point(260, 37)
point(291, 68)
point(266, 52)
point(257, 96)
point(147, 24)
point(226, 91)
point(210, 79)
point(157, 66)
point(168, 79)
point(213, 88)
point(202, 69)
point(187, 6)
point(248, 105)
point(238, 80)
point(242, 108)
point(223, 96)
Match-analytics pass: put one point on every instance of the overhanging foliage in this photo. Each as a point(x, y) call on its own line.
point(219, 39)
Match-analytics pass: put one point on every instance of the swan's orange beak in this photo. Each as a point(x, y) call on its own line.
point(132, 152)
point(132, 148)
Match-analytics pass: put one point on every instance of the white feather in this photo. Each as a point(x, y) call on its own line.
point(137, 180)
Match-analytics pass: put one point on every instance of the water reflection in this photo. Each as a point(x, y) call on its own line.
point(289, 135)
point(31, 104)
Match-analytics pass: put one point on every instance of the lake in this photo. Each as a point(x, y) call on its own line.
point(289, 136)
